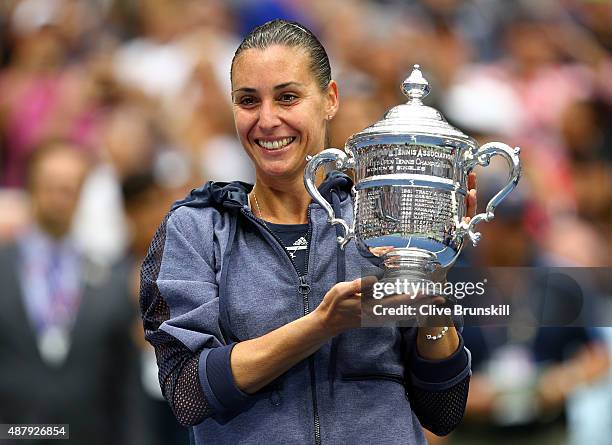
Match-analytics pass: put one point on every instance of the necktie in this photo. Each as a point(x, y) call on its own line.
point(54, 340)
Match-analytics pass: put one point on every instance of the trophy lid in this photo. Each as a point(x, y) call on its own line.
point(412, 117)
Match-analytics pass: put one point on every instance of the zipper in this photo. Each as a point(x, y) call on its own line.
point(304, 290)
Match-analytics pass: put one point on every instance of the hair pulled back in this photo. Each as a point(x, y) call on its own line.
point(290, 34)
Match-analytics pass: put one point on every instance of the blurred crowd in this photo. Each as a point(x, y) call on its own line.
point(140, 90)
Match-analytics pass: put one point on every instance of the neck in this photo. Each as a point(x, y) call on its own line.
point(57, 232)
point(282, 201)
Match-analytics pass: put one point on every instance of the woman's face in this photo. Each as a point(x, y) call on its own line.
point(279, 110)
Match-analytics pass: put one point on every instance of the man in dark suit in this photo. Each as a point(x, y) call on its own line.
point(66, 353)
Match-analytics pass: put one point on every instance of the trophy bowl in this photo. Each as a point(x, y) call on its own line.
point(411, 171)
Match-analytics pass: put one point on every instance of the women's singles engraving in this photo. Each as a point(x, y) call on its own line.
point(397, 159)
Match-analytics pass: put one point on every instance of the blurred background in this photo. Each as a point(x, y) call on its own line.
point(112, 109)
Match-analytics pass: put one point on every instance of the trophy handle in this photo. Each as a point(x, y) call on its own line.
point(483, 157)
point(343, 162)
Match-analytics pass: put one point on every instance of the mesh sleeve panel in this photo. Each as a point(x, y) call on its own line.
point(440, 411)
point(178, 366)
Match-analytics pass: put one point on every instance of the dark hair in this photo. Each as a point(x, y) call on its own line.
point(49, 149)
point(291, 34)
point(136, 185)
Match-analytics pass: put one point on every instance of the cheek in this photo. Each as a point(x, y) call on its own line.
point(244, 122)
point(315, 127)
point(309, 121)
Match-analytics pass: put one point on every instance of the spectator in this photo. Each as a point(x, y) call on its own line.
point(65, 346)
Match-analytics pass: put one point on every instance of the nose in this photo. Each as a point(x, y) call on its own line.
point(269, 117)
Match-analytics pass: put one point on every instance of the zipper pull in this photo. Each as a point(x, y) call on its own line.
point(304, 287)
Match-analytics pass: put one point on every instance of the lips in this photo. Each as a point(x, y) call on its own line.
point(275, 144)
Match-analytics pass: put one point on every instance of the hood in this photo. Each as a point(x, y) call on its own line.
point(231, 196)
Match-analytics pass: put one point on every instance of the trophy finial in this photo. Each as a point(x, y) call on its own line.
point(415, 87)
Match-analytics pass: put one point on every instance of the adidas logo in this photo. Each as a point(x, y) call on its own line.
point(299, 244)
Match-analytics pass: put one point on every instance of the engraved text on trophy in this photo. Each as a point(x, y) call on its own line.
point(409, 159)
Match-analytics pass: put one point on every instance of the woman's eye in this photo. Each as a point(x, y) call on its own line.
point(288, 97)
point(246, 101)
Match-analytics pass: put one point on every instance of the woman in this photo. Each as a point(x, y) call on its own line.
point(251, 307)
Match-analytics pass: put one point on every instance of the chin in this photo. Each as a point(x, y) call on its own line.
point(276, 173)
point(280, 167)
point(281, 170)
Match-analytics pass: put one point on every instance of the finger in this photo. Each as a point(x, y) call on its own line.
point(472, 181)
point(423, 297)
point(356, 297)
point(438, 300)
point(347, 287)
point(356, 286)
point(472, 197)
point(367, 282)
point(471, 203)
point(380, 251)
point(397, 299)
point(430, 298)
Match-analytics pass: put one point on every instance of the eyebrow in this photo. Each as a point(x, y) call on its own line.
point(277, 87)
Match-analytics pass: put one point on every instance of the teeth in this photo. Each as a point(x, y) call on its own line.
point(275, 145)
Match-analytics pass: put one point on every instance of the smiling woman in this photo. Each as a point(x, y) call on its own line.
point(254, 311)
point(281, 111)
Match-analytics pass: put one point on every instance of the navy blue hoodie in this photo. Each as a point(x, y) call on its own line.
point(215, 275)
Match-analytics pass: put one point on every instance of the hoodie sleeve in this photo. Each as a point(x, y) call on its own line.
point(438, 389)
point(180, 310)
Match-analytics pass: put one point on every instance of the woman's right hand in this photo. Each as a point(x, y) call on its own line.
point(340, 309)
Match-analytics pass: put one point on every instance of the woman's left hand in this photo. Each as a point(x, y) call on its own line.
point(470, 200)
point(448, 343)
point(445, 346)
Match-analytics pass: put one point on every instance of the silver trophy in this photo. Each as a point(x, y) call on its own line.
point(411, 172)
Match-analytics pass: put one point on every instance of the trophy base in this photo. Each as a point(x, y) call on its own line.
point(411, 265)
point(408, 290)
